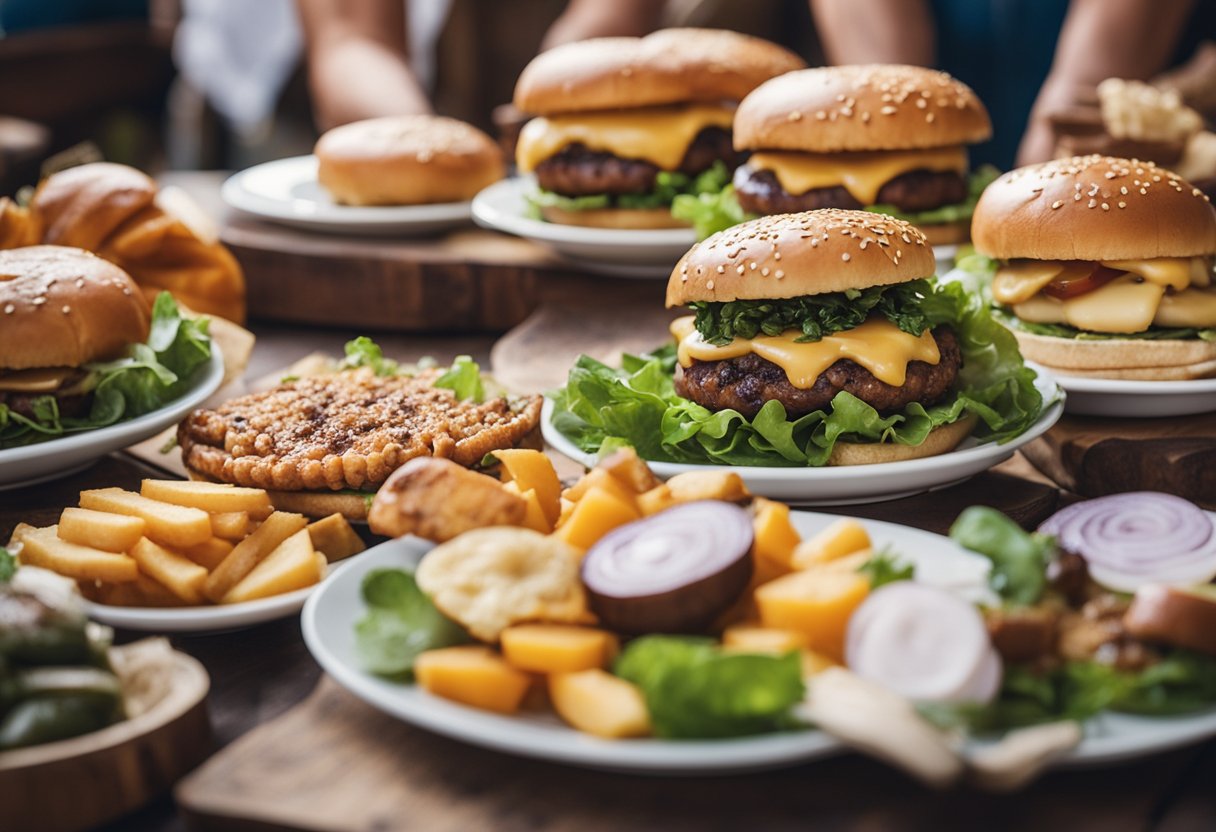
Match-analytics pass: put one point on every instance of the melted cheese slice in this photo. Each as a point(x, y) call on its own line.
point(861, 174)
point(878, 345)
point(39, 380)
point(660, 135)
point(1020, 280)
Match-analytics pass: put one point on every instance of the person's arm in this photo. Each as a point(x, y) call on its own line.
point(583, 19)
point(1102, 39)
point(875, 31)
point(357, 60)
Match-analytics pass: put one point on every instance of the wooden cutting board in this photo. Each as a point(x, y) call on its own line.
point(1092, 456)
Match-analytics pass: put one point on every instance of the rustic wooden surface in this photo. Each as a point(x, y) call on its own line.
point(108, 773)
point(1093, 456)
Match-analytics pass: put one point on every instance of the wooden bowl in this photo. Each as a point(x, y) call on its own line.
point(87, 780)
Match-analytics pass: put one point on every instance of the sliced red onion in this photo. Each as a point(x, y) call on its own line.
point(672, 572)
point(923, 643)
point(1142, 537)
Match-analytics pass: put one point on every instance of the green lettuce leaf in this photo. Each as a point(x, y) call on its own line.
point(8, 565)
point(464, 379)
point(885, 567)
point(635, 404)
point(979, 179)
point(1019, 558)
point(710, 212)
point(668, 186)
point(400, 623)
point(695, 690)
point(364, 352)
point(148, 377)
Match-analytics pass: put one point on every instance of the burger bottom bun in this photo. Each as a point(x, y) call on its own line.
point(614, 218)
point(313, 504)
point(1163, 360)
point(939, 441)
point(947, 233)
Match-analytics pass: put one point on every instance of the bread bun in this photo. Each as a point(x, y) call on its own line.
point(64, 307)
point(1093, 208)
point(406, 160)
point(947, 233)
point(84, 205)
point(866, 107)
point(1121, 358)
point(669, 66)
point(939, 441)
point(314, 504)
point(790, 255)
point(614, 217)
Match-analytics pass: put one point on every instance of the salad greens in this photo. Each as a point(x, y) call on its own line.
point(695, 690)
point(400, 623)
point(603, 407)
point(668, 186)
point(8, 565)
point(1019, 558)
point(364, 352)
point(816, 316)
point(464, 379)
point(148, 377)
point(885, 567)
point(979, 179)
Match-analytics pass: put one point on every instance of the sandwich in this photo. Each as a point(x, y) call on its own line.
point(815, 338)
point(1103, 267)
point(624, 125)
point(406, 160)
point(80, 347)
point(887, 139)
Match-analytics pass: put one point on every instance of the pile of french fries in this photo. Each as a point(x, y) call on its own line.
point(181, 543)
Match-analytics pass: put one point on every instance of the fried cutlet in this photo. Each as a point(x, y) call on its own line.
point(347, 431)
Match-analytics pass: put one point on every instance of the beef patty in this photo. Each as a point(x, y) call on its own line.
point(759, 192)
point(578, 171)
point(747, 382)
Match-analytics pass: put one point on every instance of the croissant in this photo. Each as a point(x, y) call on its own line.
point(118, 213)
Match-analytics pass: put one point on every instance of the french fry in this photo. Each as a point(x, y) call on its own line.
point(141, 592)
point(292, 565)
point(214, 497)
point(231, 525)
point(180, 575)
point(167, 524)
point(211, 554)
point(44, 548)
point(100, 529)
point(334, 536)
point(250, 551)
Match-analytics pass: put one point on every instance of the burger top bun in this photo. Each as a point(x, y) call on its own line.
point(790, 255)
point(670, 66)
point(406, 160)
point(1093, 208)
point(64, 307)
point(863, 107)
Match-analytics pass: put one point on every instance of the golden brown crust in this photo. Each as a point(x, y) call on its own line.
point(349, 430)
point(864, 107)
point(84, 205)
point(667, 67)
point(407, 160)
point(939, 441)
point(1128, 358)
point(1093, 208)
point(64, 307)
point(614, 217)
point(790, 255)
point(436, 499)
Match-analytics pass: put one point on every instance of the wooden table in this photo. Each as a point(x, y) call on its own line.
point(260, 673)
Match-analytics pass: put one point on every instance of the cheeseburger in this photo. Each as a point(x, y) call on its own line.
point(624, 125)
point(830, 314)
point(1104, 267)
point(890, 139)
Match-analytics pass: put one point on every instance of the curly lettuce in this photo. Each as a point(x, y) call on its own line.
point(668, 186)
point(603, 407)
point(148, 377)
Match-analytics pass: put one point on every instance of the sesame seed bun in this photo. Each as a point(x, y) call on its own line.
point(939, 441)
point(1093, 208)
point(790, 255)
point(406, 160)
point(64, 307)
point(1166, 359)
point(614, 217)
point(868, 107)
point(670, 66)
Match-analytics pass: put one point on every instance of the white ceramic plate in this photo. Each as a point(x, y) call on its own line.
point(853, 483)
point(330, 615)
point(1137, 399)
point(59, 457)
point(209, 619)
point(624, 252)
point(286, 191)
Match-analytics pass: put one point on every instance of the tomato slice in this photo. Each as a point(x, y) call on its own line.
point(1073, 282)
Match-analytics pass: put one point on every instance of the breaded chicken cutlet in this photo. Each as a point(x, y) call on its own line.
point(347, 431)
